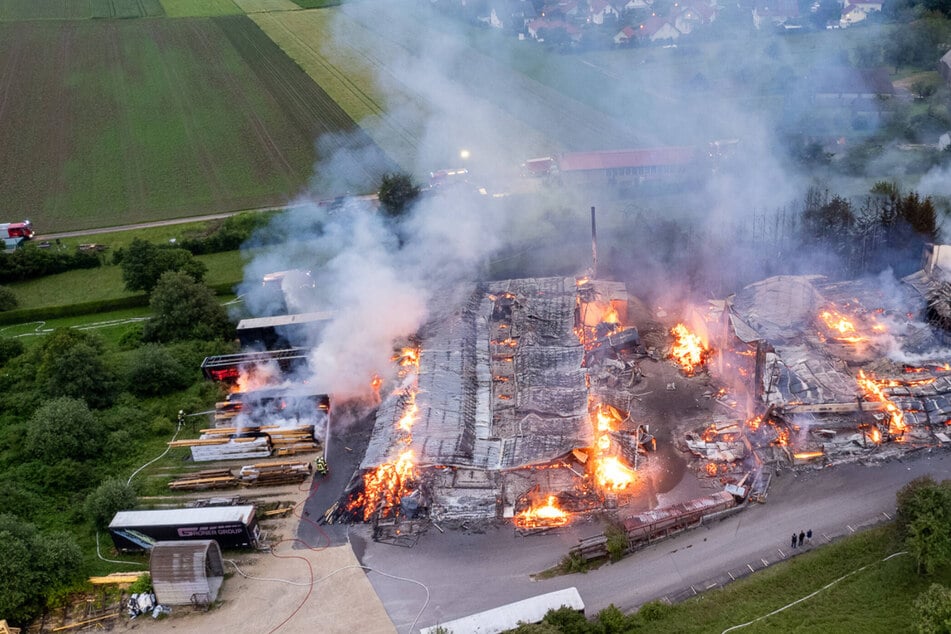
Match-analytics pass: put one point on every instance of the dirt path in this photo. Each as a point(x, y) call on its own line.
point(292, 589)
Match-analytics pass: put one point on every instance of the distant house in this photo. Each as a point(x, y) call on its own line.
point(601, 10)
point(625, 35)
point(944, 67)
point(852, 14)
point(633, 5)
point(509, 15)
point(564, 9)
point(537, 28)
point(656, 29)
point(692, 15)
point(774, 12)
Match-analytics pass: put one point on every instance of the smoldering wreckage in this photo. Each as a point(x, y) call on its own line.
point(531, 404)
point(525, 405)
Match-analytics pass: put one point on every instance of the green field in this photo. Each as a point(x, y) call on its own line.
point(114, 122)
point(195, 8)
point(17, 10)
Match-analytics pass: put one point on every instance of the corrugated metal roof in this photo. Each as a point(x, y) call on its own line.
point(508, 616)
point(284, 320)
point(485, 404)
point(185, 572)
point(173, 517)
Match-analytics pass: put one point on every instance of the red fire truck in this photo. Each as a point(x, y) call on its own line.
point(17, 230)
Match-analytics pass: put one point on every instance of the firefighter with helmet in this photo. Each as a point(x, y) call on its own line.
point(320, 465)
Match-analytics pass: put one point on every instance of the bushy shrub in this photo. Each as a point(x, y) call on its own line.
point(8, 299)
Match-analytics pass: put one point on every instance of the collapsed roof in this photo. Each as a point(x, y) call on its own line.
point(501, 382)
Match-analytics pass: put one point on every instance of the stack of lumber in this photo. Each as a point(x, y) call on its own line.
point(208, 479)
point(274, 473)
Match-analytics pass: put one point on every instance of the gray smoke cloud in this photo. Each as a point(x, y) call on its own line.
point(381, 282)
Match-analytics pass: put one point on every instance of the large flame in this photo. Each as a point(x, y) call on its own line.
point(547, 515)
point(609, 472)
point(613, 475)
point(385, 486)
point(874, 391)
point(688, 350)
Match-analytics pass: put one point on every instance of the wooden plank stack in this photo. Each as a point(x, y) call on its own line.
point(274, 473)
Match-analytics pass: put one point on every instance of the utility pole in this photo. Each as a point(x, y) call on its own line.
point(594, 245)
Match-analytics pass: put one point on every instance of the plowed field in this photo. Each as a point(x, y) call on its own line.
point(113, 122)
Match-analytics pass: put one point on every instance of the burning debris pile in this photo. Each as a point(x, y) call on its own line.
point(827, 376)
point(514, 406)
point(264, 414)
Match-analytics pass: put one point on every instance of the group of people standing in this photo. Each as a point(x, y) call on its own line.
point(801, 538)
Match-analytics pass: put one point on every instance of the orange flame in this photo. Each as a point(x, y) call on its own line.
point(613, 475)
point(875, 435)
point(547, 516)
point(710, 468)
point(808, 455)
point(842, 327)
point(875, 392)
point(385, 486)
point(688, 350)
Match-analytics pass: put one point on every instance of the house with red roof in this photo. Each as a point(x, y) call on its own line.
point(625, 36)
point(656, 28)
point(537, 27)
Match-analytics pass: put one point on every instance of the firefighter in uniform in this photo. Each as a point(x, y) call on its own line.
point(320, 465)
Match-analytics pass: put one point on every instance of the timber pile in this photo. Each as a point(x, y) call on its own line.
point(274, 473)
point(208, 479)
point(254, 475)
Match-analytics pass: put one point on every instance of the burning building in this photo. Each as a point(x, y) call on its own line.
point(831, 373)
point(509, 409)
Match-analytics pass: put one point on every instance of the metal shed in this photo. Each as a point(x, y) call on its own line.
point(186, 572)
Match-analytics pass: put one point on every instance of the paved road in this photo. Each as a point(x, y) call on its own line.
point(468, 573)
point(156, 223)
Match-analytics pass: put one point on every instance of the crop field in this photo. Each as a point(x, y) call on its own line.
point(115, 122)
point(199, 8)
point(16, 10)
point(259, 6)
point(374, 72)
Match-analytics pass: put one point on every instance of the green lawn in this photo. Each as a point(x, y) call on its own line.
point(877, 599)
point(105, 282)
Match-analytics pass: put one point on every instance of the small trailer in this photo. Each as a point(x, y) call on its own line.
point(230, 526)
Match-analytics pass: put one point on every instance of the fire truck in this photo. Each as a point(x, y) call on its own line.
point(17, 230)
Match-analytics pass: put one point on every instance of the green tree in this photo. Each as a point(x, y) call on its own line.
point(143, 263)
point(924, 514)
point(154, 370)
point(8, 299)
point(9, 349)
point(33, 565)
point(185, 309)
point(73, 363)
point(397, 192)
point(63, 428)
point(932, 611)
point(110, 497)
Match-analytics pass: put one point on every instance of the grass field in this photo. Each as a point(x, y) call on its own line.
point(105, 282)
point(199, 8)
point(877, 599)
point(114, 122)
point(17, 10)
point(258, 6)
